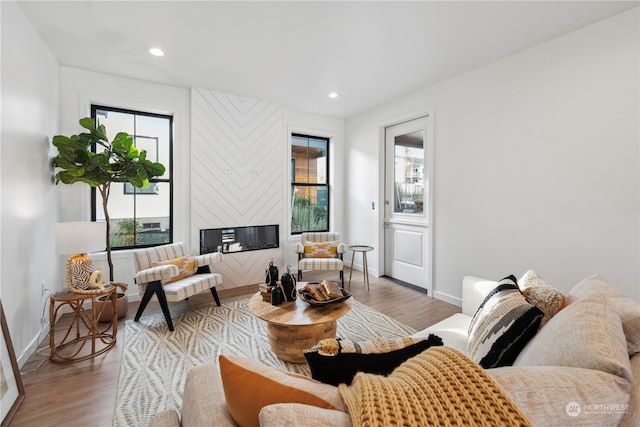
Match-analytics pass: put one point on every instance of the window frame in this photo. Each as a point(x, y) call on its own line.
point(168, 172)
point(294, 184)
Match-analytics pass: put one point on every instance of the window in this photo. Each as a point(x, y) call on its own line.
point(309, 183)
point(139, 216)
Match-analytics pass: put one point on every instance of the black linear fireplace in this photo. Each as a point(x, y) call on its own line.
point(239, 239)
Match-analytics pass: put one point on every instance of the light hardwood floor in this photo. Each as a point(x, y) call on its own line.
point(83, 393)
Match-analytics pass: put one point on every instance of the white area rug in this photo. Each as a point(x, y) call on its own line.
point(155, 361)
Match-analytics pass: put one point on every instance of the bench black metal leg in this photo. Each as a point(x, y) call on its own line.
point(155, 288)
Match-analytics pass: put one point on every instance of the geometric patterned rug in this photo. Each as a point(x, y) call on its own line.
point(155, 361)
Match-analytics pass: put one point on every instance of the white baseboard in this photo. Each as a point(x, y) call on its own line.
point(447, 298)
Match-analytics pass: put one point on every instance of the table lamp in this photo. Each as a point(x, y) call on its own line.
point(80, 238)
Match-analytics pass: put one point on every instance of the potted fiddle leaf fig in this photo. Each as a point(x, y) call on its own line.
point(113, 161)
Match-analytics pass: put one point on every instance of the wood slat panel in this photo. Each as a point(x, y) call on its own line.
point(237, 173)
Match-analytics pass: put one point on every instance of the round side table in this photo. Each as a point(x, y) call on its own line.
point(365, 267)
point(83, 338)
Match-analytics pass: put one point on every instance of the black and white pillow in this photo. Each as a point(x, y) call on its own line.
point(502, 326)
point(335, 361)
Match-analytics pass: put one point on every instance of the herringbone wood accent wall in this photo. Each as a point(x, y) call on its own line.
point(238, 170)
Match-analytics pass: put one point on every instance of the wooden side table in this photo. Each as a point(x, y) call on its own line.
point(84, 337)
point(365, 267)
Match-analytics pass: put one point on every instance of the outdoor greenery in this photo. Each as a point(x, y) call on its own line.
point(113, 161)
point(308, 217)
point(127, 234)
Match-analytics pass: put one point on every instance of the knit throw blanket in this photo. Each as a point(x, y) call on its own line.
point(439, 387)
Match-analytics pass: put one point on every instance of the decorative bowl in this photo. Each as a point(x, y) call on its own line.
point(307, 297)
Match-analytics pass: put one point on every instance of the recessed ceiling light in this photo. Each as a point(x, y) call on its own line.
point(333, 95)
point(156, 51)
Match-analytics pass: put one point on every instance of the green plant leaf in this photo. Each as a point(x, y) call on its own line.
point(118, 161)
point(122, 140)
point(88, 123)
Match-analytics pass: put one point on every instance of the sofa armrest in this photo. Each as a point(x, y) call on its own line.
point(298, 414)
point(168, 418)
point(299, 248)
point(474, 290)
point(208, 259)
point(161, 272)
point(203, 401)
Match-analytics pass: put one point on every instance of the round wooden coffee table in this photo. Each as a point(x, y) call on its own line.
point(296, 326)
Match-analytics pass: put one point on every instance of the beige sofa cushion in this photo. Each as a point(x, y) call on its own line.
point(548, 395)
point(585, 334)
point(632, 417)
point(298, 414)
point(627, 309)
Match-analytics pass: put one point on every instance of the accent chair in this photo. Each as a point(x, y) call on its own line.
point(320, 251)
point(173, 275)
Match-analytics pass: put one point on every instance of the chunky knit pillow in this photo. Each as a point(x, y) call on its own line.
point(438, 387)
point(502, 326)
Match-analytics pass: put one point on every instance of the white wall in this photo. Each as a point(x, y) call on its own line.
point(536, 164)
point(81, 88)
point(30, 114)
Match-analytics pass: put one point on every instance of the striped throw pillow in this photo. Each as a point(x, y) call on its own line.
point(502, 326)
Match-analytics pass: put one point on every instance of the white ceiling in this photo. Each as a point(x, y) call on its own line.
point(295, 53)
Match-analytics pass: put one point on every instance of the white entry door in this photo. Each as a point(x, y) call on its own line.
point(408, 203)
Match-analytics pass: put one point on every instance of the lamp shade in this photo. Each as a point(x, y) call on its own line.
point(80, 237)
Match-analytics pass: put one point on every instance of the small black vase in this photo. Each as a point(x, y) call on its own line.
point(271, 274)
point(289, 285)
point(277, 296)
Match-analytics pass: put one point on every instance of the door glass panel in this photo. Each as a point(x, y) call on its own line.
point(409, 173)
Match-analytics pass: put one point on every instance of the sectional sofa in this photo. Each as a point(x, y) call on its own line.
point(582, 368)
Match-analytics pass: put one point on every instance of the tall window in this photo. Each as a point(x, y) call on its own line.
point(139, 216)
point(309, 183)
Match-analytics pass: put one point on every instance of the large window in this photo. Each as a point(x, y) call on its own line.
point(139, 216)
point(309, 183)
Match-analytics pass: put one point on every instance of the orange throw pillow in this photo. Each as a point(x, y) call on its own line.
point(249, 385)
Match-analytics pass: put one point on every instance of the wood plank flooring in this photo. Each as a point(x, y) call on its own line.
point(83, 393)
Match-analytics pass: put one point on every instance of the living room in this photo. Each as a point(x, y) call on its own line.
point(536, 164)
